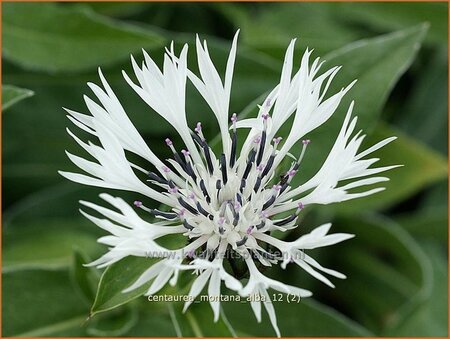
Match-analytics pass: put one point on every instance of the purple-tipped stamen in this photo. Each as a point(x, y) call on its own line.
point(223, 168)
point(285, 221)
point(155, 177)
point(242, 241)
point(204, 191)
point(187, 206)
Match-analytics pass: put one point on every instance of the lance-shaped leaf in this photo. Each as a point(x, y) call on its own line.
point(12, 95)
point(50, 37)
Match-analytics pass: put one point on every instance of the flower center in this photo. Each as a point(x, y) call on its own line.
point(229, 197)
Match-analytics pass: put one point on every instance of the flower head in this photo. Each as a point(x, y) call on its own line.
point(226, 203)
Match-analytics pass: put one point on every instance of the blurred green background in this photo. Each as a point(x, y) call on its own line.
point(397, 264)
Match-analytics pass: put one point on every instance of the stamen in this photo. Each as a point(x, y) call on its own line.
point(233, 149)
point(187, 225)
point(176, 156)
point(202, 210)
point(172, 187)
point(269, 165)
point(276, 188)
point(137, 203)
point(236, 219)
point(291, 173)
point(222, 212)
point(198, 130)
point(221, 221)
point(190, 171)
point(250, 230)
point(305, 143)
point(239, 198)
point(286, 220)
point(207, 157)
point(300, 206)
point(155, 177)
point(231, 205)
point(262, 144)
point(169, 143)
point(200, 139)
point(167, 215)
point(187, 206)
point(257, 184)
point(284, 187)
point(269, 202)
point(288, 178)
point(233, 141)
point(276, 141)
point(204, 191)
point(223, 168)
point(197, 139)
point(242, 241)
point(261, 225)
point(218, 186)
point(234, 120)
point(250, 159)
point(243, 183)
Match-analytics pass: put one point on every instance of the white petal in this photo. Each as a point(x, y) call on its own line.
point(271, 312)
point(197, 287)
point(214, 293)
point(148, 275)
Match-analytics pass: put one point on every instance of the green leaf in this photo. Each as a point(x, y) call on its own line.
point(377, 64)
point(288, 21)
point(115, 323)
point(124, 273)
point(12, 95)
point(429, 94)
point(153, 322)
point(41, 302)
point(386, 270)
point(85, 278)
point(430, 319)
point(115, 279)
point(44, 302)
point(50, 37)
point(47, 242)
point(429, 223)
point(198, 321)
point(396, 15)
point(117, 9)
point(60, 201)
point(307, 318)
point(421, 167)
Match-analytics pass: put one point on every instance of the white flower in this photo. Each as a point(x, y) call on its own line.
point(215, 272)
point(225, 204)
